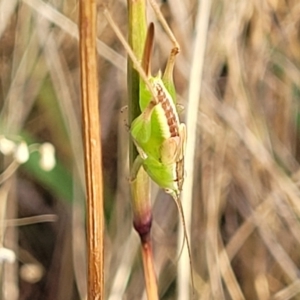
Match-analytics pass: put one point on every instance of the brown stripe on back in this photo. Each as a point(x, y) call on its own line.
point(169, 113)
point(173, 128)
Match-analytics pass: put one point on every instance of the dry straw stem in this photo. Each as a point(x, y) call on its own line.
point(202, 20)
point(92, 147)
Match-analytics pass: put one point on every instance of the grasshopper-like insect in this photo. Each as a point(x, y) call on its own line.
point(159, 136)
point(157, 133)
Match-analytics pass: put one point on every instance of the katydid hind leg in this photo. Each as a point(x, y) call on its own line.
point(182, 134)
point(173, 148)
point(165, 25)
point(168, 74)
point(169, 150)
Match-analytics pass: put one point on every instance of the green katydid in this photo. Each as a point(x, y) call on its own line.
point(159, 136)
point(157, 132)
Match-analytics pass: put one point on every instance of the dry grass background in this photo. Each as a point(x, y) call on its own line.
point(245, 231)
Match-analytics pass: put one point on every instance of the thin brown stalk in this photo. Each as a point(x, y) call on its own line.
point(92, 149)
point(150, 277)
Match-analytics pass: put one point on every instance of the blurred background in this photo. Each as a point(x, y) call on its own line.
point(245, 230)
